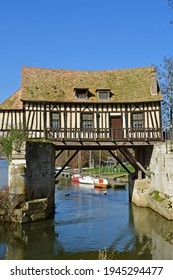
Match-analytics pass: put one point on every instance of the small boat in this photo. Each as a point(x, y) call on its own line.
point(101, 183)
point(75, 178)
point(87, 180)
point(58, 168)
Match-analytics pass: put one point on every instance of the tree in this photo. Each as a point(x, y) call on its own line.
point(16, 136)
point(165, 75)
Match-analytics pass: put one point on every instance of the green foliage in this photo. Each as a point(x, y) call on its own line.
point(156, 196)
point(16, 136)
point(109, 170)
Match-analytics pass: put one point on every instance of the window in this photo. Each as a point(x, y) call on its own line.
point(81, 93)
point(137, 120)
point(87, 120)
point(55, 120)
point(103, 93)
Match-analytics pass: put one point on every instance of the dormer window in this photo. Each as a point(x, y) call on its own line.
point(81, 93)
point(103, 93)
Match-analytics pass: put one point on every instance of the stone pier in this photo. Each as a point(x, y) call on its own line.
point(31, 184)
point(156, 189)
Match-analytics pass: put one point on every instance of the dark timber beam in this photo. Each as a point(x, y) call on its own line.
point(120, 162)
point(128, 158)
point(75, 153)
point(59, 154)
point(136, 164)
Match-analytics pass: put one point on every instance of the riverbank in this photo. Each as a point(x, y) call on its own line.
point(144, 195)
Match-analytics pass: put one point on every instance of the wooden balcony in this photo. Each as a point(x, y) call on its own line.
point(104, 135)
point(106, 139)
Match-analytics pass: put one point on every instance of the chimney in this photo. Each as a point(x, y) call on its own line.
point(153, 82)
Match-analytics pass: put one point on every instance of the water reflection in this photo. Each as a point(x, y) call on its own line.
point(154, 232)
point(29, 241)
point(86, 221)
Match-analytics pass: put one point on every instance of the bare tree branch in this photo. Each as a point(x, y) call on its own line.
point(165, 75)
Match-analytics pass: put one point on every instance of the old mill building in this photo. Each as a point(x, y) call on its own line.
point(117, 105)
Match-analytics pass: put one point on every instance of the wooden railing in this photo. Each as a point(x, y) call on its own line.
point(104, 134)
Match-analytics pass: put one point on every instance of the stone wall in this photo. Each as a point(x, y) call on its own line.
point(156, 190)
point(40, 170)
point(31, 184)
point(161, 167)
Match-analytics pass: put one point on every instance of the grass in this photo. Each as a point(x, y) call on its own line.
point(109, 170)
point(156, 196)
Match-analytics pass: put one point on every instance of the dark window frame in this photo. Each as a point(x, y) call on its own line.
point(87, 121)
point(137, 120)
point(103, 94)
point(55, 121)
point(81, 93)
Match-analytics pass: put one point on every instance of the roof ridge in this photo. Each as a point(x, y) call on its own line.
point(82, 70)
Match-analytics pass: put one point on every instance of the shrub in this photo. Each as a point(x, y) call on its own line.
point(16, 136)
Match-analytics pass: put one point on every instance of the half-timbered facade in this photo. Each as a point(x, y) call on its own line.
point(121, 105)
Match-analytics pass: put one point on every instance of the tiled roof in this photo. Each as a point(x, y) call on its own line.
point(13, 102)
point(126, 85)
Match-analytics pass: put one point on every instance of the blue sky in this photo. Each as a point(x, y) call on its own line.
point(81, 34)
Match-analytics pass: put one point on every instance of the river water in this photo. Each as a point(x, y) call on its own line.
point(89, 224)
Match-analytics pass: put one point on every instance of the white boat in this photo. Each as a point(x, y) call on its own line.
point(95, 182)
point(58, 168)
point(87, 180)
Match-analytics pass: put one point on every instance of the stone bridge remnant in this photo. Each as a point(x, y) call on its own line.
point(32, 181)
point(156, 189)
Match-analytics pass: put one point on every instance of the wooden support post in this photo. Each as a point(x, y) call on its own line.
point(59, 154)
point(120, 162)
point(128, 158)
point(75, 153)
point(132, 159)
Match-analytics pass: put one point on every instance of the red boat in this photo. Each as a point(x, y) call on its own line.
point(75, 178)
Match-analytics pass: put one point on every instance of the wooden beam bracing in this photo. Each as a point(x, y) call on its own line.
point(59, 154)
point(57, 174)
point(136, 164)
point(120, 162)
